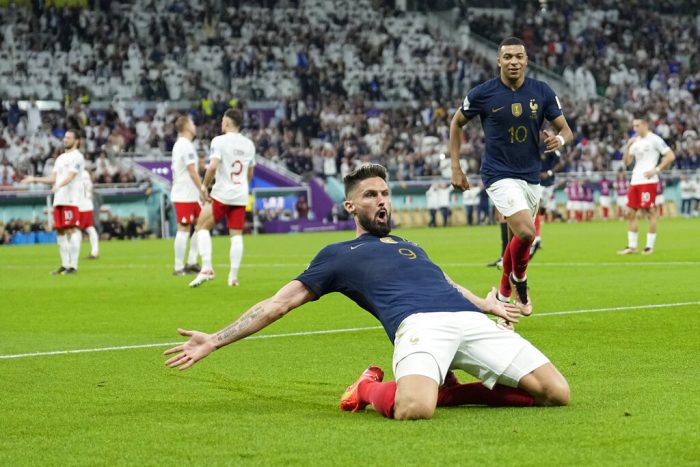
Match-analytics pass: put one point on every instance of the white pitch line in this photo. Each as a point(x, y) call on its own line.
point(165, 267)
point(336, 331)
point(164, 344)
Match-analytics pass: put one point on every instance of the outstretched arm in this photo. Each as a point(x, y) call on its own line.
point(264, 313)
point(50, 180)
point(490, 304)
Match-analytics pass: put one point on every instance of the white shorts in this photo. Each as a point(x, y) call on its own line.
point(431, 344)
point(660, 199)
point(547, 200)
point(511, 195)
point(574, 205)
point(622, 201)
point(604, 201)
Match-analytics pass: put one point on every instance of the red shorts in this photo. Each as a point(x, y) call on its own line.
point(65, 217)
point(642, 196)
point(187, 213)
point(235, 215)
point(86, 219)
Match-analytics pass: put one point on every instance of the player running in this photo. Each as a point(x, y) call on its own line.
point(512, 109)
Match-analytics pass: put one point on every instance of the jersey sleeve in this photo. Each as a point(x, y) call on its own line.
point(191, 155)
point(552, 107)
point(215, 150)
point(473, 103)
point(660, 145)
point(319, 277)
point(76, 164)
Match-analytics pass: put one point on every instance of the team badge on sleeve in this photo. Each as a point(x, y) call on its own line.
point(465, 104)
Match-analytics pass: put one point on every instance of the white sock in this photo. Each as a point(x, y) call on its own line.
point(651, 239)
point(94, 241)
point(75, 240)
point(632, 239)
point(236, 254)
point(204, 242)
point(194, 249)
point(64, 250)
point(180, 248)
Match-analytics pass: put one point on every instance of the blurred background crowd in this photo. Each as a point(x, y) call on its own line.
point(341, 83)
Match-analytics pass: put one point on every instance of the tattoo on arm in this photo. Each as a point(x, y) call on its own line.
point(223, 336)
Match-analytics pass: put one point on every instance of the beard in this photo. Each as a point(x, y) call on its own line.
point(373, 226)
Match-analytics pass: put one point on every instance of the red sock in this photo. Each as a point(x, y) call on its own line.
point(507, 268)
point(605, 213)
point(520, 254)
point(537, 224)
point(477, 393)
point(380, 395)
point(579, 216)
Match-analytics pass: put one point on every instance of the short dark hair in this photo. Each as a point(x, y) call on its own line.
point(236, 116)
point(511, 41)
point(352, 179)
point(641, 116)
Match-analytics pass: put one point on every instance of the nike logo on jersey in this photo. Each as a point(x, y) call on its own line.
point(496, 109)
point(352, 247)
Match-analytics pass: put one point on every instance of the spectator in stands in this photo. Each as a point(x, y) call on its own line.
point(302, 207)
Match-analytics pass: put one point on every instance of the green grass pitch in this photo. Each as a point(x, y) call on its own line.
point(632, 365)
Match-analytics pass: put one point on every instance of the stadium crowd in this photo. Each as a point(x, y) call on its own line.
point(342, 83)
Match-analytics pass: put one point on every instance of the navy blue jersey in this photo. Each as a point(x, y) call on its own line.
point(512, 121)
point(388, 276)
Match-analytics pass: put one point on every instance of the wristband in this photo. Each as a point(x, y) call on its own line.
point(562, 141)
point(550, 173)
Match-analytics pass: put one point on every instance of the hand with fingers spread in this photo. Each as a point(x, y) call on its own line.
point(196, 348)
point(508, 311)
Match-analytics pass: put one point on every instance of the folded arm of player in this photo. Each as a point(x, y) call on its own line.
point(261, 315)
point(490, 304)
point(71, 176)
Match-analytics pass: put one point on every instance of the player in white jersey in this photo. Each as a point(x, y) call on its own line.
point(87, 213)
point(231, 161)
point(65, 178)
point(185, 195)
point(645, 148)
